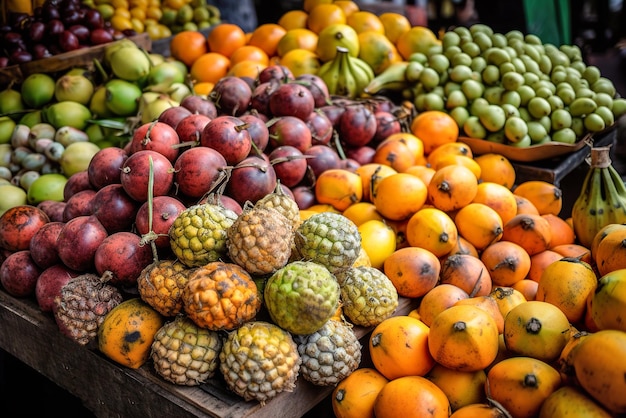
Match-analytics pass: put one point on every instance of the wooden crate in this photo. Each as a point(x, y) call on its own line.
point(108, 389)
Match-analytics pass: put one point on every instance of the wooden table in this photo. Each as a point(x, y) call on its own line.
point(111, 390)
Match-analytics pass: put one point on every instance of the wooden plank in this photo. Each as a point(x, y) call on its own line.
point(110, 390)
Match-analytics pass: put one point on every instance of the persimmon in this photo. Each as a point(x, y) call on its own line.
point(467, 272)
point(496, 168)
point(450, 148)
point(399, 196)
point(355, 395)
point(539, 262)
point(461, 388)
point(370, 174)
point(522, 384)
point(487, 303)
point(395, 154)
point(398, 347)
point(479, 224)
point(567, 283)
point(498, 198)
point(507, 298)
point(527, 287)
point(432, 229)
point(438, 299)
point(524, 205)
point(562, 233)
point(574, 250)
point(434, 127)
point(531, 232)
point(411, 397)
point(338, 187)
point(507, 262)
point(546, 197)
point(463, 338)
point(452, 187)
point(413, 271)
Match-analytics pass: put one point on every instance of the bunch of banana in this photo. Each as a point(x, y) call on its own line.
point(346, 75)
point(602, 199)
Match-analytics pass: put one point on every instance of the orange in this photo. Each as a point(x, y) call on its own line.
point(452, 187)
point(522, 384)
point(370, 174)
point(412, 270)
point(434, 128)
point(355, 395)
point(339, 188)
point(398, 347)
point(438, 299)
point(293, 19)
point(249, 53)
point(203, 88)
point(399, 196)
point(496, 168)
point(539, 262)
point(324, 15)
point(395, 24)
point(377, 51)
point(432, 229)
point(411, 397)
point(364, 21)
point(464, 338)
point(188, 46)
point(308, 5)
point(225, 38)
point(378, 240)
point(246, 68)
point(337, 35)
point(466, 272)
point(266, 37)
point(209, 67)
point(479, 224)
point(301, 61)
point(507, 263)
point(361, 212)
point(562, 232)
point(498, 198)
point(300, 38)
point(347, 6)
point(416, 39)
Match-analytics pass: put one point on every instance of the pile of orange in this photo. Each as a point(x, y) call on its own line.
point(301, 40)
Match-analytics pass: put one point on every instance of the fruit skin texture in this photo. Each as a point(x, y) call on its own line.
point(330, 354)
point(521, 384)
point(127, 332)
point(398, 347)
point(18, 225)
point(184, 353)
point(609, 301)
point(461, 388)
point(354, 396)
point(161, 285)
point(463, 338)
point(570, 401)
point(368, 295)
point(301, 296)
point(220, 296)
point(598, 361)
point(536, 329)
point(198, 234)
point(259, 360)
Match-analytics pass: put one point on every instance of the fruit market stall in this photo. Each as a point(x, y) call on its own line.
point(336, 207)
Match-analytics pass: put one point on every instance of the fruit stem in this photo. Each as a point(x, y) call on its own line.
point(533, 326)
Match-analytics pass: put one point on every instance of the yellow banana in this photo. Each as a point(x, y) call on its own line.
point(393, 78)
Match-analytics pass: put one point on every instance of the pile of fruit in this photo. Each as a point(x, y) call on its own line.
point(259, 229)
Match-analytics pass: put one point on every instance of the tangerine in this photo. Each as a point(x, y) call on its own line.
point(226, 38)
point(209, 67)
point(188, 46)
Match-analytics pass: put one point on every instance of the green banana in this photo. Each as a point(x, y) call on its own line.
point(346, 75)
point(329, 73)
point(392, 78)
point(346, 85)
point(362, 73)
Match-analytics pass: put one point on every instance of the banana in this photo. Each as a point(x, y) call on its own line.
point(393, 78)
point(346, 85)
point(362, 73)
point(587, 211)
point(329, 73)
point(616, 205)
